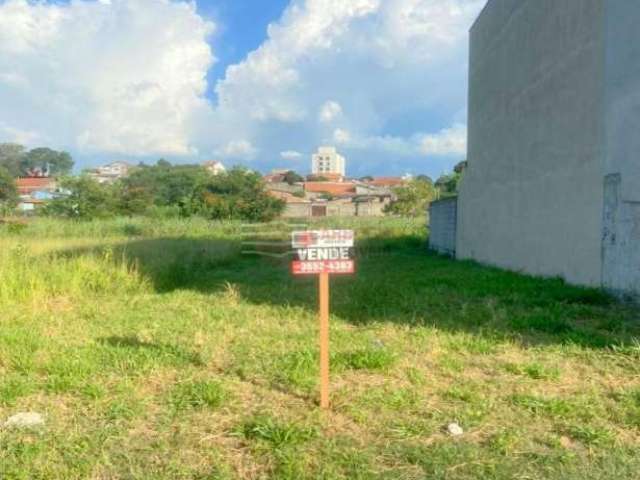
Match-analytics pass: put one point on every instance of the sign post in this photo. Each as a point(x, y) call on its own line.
point(324, 340)
point(323, 252)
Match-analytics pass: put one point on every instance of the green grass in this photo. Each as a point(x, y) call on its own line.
point(155, 349)
point(200, 394)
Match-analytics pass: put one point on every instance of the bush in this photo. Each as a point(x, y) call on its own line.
point(8, 192)
point(86, 200)
point(238, 194)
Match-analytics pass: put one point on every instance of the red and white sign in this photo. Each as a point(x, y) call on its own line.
point(323, 266)
point(322, 238)
point(323, 251)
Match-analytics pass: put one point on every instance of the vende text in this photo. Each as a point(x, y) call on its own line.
point(338, 253)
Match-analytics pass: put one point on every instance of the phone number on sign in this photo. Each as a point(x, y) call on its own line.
point(311, 268)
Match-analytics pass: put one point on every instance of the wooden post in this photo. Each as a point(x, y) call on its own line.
point(324, 340)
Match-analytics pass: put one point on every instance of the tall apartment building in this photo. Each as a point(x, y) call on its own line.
point(327, 161)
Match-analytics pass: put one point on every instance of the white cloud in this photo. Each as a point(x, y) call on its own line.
point(14, 135)
point(379, 78)
point(347, 72)
point(290, 155)
point(341, 136)
point(449, 141)
point(238, 149)
point(121, 76)
point(329, 111)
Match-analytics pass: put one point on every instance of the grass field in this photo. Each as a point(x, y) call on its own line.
point(157, 351)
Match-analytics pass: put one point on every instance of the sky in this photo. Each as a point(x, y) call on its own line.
point(259, 83)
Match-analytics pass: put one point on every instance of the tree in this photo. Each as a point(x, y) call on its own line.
point(47, 160)
point(425, 178)
point(412, 198)
point(11, 158)
point(160, 185)
point(448, 185)
point(132, 199)
point(292, 177)
point(8, 191)
point(236, 194)
point(366, 178)
point(317, 178)
point(460, 167)
point(87, 199)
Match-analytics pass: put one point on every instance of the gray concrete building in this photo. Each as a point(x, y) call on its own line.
point(553, 180)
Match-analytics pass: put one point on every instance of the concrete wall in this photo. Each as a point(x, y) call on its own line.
point(442, 226)
point(623, 95)
point(341, 209)
point(297, 210)
point(621, 242)
point(532, 196)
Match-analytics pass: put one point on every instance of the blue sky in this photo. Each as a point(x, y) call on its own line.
point(260, 83)
point(242, 27)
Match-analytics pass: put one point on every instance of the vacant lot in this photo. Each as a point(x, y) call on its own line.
point(157, 350)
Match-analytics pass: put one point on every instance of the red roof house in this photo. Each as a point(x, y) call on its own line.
point(386, 182)
point(26, 186)
point(332, 188)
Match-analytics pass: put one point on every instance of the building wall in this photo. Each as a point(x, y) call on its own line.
point(442, 220)
point(621, 245)
point(341, 208)
point(327, 160)
point(297, 210)
point(372, 208)
point(532, 197)
point(336, 208)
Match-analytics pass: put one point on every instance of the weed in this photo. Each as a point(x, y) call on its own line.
point(198, 394)
point(590, 435)
point(371, 358)
point(278, 434)
point(555, 407)
point(535, 370)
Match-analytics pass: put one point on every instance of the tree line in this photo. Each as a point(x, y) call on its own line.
point(162, 189)
point(169, 190)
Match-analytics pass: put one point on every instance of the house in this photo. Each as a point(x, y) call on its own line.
point(333, 189)
point(552, 186)
point(371, 205)
point(35, 191)
point(30, 185)
point(110, 172)
point(296, 188)
point(295, 205)
point(214, 167)
point(276, 175)
point(387, 182)
point(329, 199)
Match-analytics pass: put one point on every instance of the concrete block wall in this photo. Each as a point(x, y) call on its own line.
point(443, 225)
point(553, 147)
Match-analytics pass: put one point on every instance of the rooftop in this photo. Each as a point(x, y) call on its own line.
point(333, 188)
